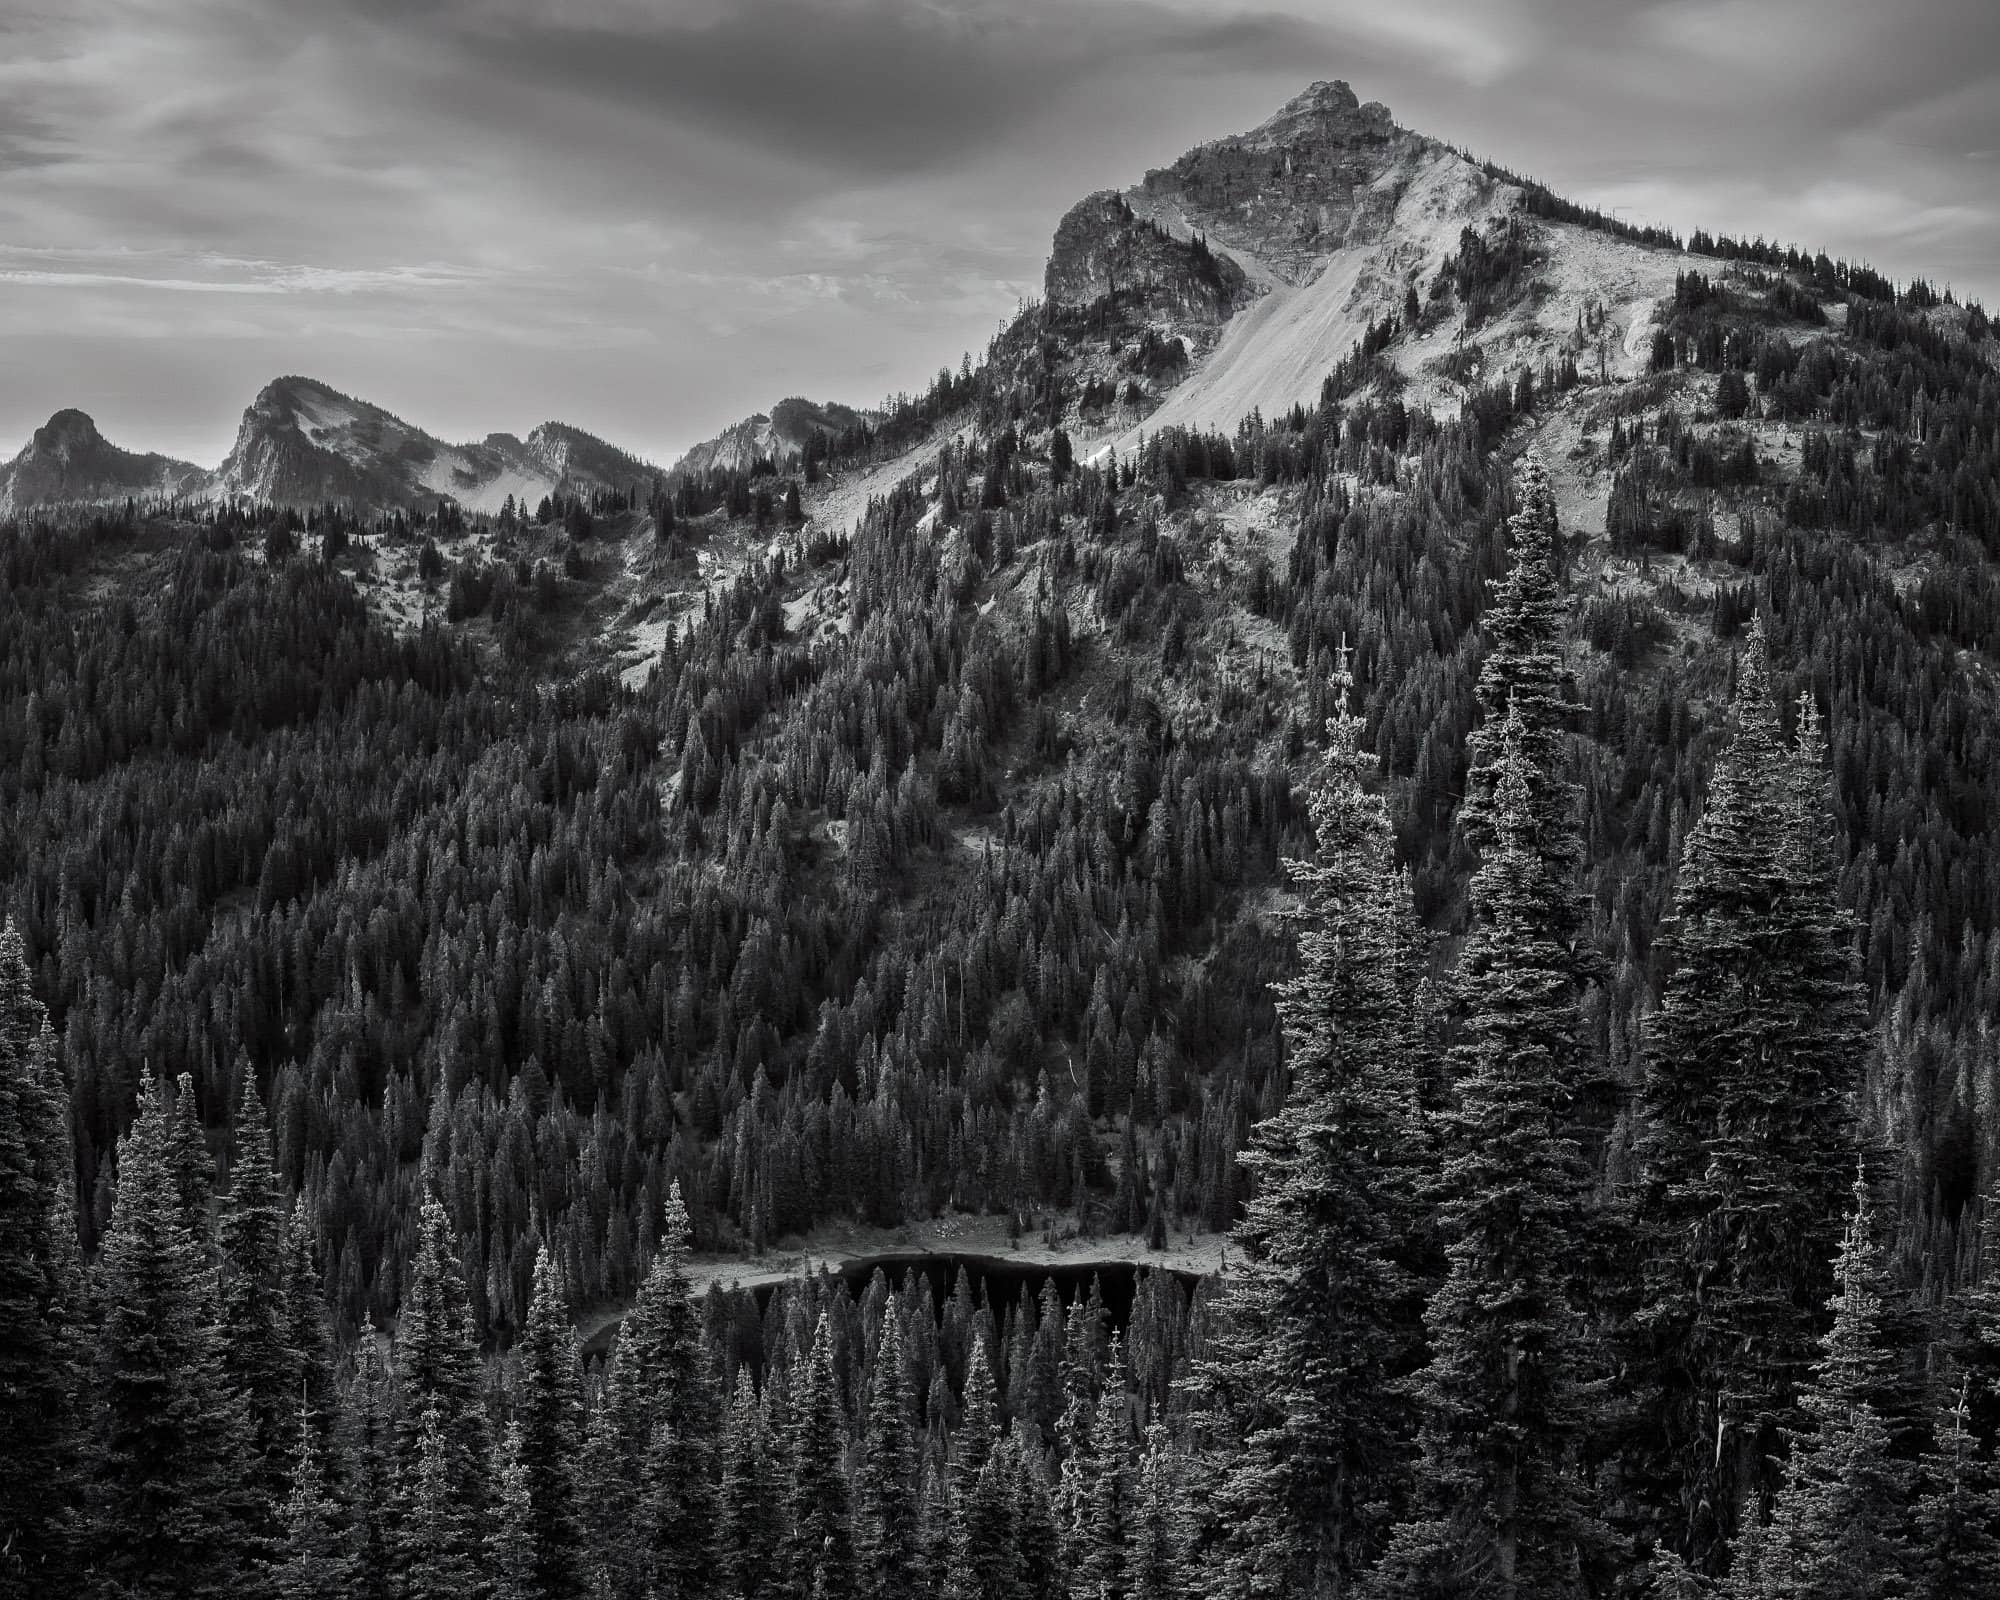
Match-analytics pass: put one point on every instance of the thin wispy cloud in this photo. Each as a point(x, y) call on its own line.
point(653, 218)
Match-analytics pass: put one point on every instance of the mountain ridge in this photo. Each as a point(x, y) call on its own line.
point(301, 442)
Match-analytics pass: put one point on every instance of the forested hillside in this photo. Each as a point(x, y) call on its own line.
point(1526, 867)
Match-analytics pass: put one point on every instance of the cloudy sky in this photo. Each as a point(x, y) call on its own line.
point(651, 217)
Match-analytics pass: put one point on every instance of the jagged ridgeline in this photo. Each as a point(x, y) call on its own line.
point(1387, 718)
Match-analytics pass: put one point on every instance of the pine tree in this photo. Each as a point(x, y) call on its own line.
point(369, 1454)
point(511, 1552)
point(314, 1561)
point(1155, 1553)
point(751, 1528)
point(1957, 1546)
point(1837, 1528)
point(1036, 1541)
point(985, 1558)
point(1520, 682)
point(41, 1309)
point(886, 1515)
point(1497, 1493)
point(818, 1546)
point(549, 1414)
point(1747, 1131)
point(652, 1459)
point(190, 1160)
point(307, 1335)
point(1315, 1321)
point(438, 1540)
point(162, 1487)
point(978, 1428)
point(1106, 1567)
point(263, 1369)
point(438, 1377)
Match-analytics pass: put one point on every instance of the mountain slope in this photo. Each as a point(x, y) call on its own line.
point(68, 460)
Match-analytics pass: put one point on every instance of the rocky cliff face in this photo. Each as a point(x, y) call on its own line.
point(1103, 247)
point(1321, 175)
point(302, 443)
point(69, 460)
point(775, 437)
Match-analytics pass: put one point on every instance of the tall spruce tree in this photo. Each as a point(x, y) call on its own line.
point(1106, 1570)
point(548, 1409)
point(751, 1524)
point(1498, 1504)
point(985, 1551)
point(314, 1560)
point(442, 1437)
point(1318, 1317)
point(1957, 1544)
point(1746, 1137)
point(511, 1555)
point(972, 1441)
point(655, 1448)
point(887, 1526)
point(368, 1453)
point(439, 1538)
point(1837, 1530)
point(308, 1337)
point(263, 1369)
point(164, 1486)
point(819, 1543)
point(41, 1299)
point(1521, 683)
point(1156, 1566)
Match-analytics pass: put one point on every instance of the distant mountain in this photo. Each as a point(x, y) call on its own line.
point(69, 460)
point(775, 437)
point(303, 443)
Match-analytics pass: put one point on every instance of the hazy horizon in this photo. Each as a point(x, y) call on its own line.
point(651, 221)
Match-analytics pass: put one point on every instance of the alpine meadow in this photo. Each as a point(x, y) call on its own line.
point(1327, 927)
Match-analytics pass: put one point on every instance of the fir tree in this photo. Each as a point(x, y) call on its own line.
point(438, 1539)
point(263, 1369)
point(315, 1562)
point(438, 1377)
point(368, 1451)
point(1957, 1546)
point(818, 1546)
point(657, 1446)
point(751, 1527)
point(886, 1514)
point(1521, 681)
point(1155, 1553)
point(1036, 1542)
point(41, 1309)
point(973, 1440)
point(1316, 1319)
point(163, 1487)
point(1837, 1528)
point(1497, 1494)
point(985, 1558)
point(308, 1338)
point(1106, 1567)
point(190, 1160)
point(1747, 1120)
point(549, 1414)
point(511, 1551)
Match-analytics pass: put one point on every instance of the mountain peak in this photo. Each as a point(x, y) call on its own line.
point(68, 431)
point(1326, 113)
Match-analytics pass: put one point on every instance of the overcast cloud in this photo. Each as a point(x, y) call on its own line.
point(651, 217)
